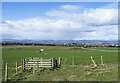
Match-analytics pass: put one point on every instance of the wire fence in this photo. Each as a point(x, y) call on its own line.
point(74, 60)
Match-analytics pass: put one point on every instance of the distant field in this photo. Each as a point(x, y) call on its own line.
point(81, 56)
point(106, 49)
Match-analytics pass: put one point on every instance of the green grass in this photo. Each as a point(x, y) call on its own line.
point(81, 57)
point(70, 73)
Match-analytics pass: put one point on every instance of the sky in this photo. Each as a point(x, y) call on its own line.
point(60, 20)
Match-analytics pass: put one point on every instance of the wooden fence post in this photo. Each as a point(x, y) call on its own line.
point(59, 61)
point(16, 68)
point(56, 62)
point(52, 62)
point(102, 60)
point(72, 60)
point(21, 64)
point(37, 63)
point(34, 70)
point(41, 61)
point(64, 60)
point(6, 72)
point(93, 61)
point(23, 67)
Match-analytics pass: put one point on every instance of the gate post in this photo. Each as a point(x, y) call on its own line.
point(59, 64)
point(6, 72)
point(23, 66)
point(52, 62)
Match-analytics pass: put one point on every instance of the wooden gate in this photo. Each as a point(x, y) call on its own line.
point(36, 62)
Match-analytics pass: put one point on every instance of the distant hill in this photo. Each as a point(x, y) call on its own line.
point(56, 41)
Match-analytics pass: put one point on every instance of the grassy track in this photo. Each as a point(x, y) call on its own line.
point(81, 56)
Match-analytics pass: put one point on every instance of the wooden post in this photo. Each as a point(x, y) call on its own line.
point(23, 64)
point(56, 65)
point(31, 64)
point(64, 60)
point(41, 61)
point(34, 70)
point(72, 60)
point(101, 60)
point(37, 62)
point(16, 68)
point(6, 72)
point(52, 62)
point(93, 61)
point(59, 61)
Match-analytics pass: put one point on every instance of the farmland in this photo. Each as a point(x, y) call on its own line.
point(81, 59)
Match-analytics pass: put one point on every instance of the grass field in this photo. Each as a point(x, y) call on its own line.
point(106, 49)
point(81, 58)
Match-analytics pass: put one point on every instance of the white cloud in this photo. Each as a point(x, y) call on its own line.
point(92, 16)
point(102, 16)
point(69, 7)
point(102, 33)
point(92, 24)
